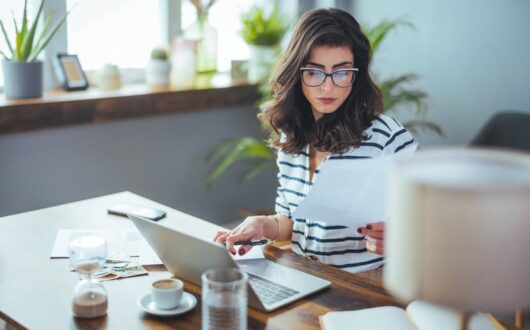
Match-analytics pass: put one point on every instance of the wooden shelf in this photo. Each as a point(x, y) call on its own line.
point(60, 108)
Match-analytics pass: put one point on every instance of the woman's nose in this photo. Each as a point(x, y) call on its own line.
point(327, 84)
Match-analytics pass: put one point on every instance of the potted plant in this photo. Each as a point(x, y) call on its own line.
point(158, 68)
point(395, 92)
point(22, 70)
point(259, 156)
point(263, 35)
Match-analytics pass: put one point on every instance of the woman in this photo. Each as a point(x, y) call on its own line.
point(326, 108)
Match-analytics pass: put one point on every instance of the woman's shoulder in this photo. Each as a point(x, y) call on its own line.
point(386, 124)
point(389, 134)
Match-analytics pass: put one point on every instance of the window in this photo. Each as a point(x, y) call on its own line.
point(224, 16)
point(113, 31)
point(124, 32)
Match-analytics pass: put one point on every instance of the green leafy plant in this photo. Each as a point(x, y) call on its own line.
point(27, 46)
point(396, 94)
point(159, 53)
point(246, 149)
point(261, 30)
point(396, 91)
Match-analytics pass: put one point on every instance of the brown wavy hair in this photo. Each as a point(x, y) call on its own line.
point(290, 113)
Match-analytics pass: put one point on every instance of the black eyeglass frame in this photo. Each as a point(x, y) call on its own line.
point(326, 75)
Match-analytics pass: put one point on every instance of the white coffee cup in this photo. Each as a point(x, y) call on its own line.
point(167, 293)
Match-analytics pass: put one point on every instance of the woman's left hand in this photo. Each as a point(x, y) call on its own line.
point(374, 233)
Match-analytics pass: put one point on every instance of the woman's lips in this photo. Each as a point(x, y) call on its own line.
point(326, 100)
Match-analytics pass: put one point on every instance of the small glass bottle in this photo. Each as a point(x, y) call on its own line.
point(206, 37)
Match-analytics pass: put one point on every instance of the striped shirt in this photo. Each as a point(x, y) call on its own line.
point(337, 245)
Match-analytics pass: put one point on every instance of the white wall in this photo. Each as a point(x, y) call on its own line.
point(161, 158)
point(473, 56)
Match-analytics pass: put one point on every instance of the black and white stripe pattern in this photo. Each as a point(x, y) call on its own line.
point(336, 245)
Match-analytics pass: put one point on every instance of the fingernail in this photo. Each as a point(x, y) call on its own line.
point(242, 251)
point(233, 253)
point(359, 230)
point(369, 227)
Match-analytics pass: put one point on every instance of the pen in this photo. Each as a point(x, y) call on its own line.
point(250, 242)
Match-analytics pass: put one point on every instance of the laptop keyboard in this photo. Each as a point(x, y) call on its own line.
point(269, 292)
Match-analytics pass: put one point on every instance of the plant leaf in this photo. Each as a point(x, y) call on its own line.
point(8, 42)
point(377, 33)
point(45, 27)
point(404, 97)
point(260, 30)
point(18, 40)
point(220, 149)
point(395, 95)
point(4, 55)
point(47, 39)
point(417, 125)
point(24, 28)
point(235, 150)
point(256, 169)
point(394, 82)
point(27, 41)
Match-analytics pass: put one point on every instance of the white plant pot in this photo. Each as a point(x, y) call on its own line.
point(261, 62)
point(109, 78)
point(157, 73)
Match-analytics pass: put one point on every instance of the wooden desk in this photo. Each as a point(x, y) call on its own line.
point(36, 292)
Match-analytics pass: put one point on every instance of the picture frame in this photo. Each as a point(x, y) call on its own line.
point(70, 73)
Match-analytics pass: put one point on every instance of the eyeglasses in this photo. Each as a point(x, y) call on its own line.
point(315, 77)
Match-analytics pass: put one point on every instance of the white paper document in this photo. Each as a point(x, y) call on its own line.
point(148, 256)
point(349, 192)
point(129, 240)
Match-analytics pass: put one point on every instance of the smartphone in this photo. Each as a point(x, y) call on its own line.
point(144, 212)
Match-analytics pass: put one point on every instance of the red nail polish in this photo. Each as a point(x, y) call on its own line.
point(359, 230)
point(242, 251)
point(369, 227)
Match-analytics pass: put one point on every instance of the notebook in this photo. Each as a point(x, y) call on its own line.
point(419, 315)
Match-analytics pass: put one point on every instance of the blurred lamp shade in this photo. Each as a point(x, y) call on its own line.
point(459, 232)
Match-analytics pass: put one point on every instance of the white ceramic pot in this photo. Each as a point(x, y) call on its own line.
point(109, 78)
point(157, 73)
point(261, 62)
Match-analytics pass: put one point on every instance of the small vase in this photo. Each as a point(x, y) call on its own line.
point(109, 78)
point(157, 73)
point(182, 74)
point(206, 38)
point(22, 79)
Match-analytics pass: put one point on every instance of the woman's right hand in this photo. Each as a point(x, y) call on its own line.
point(252, 228)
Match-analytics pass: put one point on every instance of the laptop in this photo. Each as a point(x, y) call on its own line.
point(271, 285)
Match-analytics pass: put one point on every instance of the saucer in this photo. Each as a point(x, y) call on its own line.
point(147, 304)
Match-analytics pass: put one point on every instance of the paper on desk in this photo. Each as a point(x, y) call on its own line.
point(148, 255)
point(349, 192)
point(130, 239)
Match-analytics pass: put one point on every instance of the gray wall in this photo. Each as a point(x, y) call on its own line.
point(473, 57)
point(161, 158)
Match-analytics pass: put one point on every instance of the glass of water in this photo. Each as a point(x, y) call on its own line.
point(224, 299)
